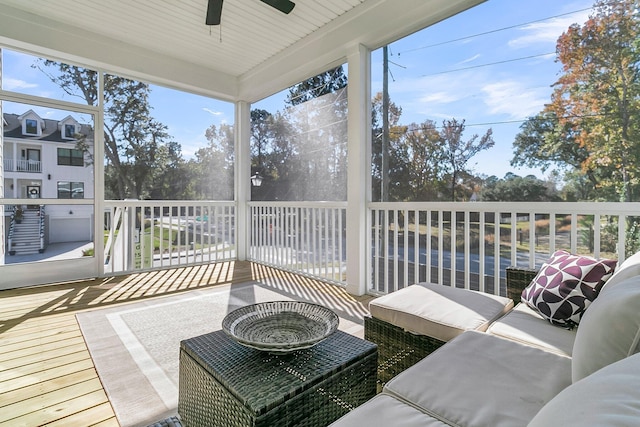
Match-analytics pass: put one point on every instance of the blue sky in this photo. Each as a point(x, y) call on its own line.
point(438, 73)
point(442, 72)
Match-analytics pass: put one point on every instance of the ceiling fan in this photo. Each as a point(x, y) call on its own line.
point(214, 9)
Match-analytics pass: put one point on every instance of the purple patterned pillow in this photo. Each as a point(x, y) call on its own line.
point(565, 286)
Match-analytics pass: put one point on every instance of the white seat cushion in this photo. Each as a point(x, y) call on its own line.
point(608, 397)
point(384, 410)
point(527, 326)
point(439, 311)
point(478, 379)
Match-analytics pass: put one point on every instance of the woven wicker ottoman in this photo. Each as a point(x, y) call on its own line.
point(222, 383)
point(409, 324)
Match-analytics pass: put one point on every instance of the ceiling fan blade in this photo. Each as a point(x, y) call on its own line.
point(214, 12)
point(284, 6)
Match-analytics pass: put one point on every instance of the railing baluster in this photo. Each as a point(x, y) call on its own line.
point(416, 246)
point(428, 261)
point(440, 247)
point(622, 225)
point(514, 238)
point(376, 251)
point(454, 236)
point(467, 243)
point(405, 234)
point(552, 233)
point(481, 244)
point(532, 239)
point(497, 243)
point(596, 235)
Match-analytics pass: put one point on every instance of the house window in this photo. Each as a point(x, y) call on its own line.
point(69, 131)
point(70, 157)
point(70, 190)
point(31, 127)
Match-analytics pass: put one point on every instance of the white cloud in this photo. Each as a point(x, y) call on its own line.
point(514, 99)
point(212, 112)
point(473, 58)
point(440, 97)
point(15, 84)
point(547, 32)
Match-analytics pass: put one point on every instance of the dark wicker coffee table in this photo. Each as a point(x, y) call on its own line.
point(225, 384)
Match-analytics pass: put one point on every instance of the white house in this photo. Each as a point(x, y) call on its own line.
point(43, 159)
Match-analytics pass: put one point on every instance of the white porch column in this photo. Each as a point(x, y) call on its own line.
point(2, 189)
point(242, 174)
point(359, 168)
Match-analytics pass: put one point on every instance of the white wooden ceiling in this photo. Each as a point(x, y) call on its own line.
point(255, 52)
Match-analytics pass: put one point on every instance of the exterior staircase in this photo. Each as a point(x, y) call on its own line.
point(26, 234)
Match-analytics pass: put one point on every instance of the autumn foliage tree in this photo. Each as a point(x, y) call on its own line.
point(592, 123)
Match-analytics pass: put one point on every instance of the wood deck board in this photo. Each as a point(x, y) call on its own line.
point(36, 342)
point(59, 410)
point(38, 337)
point(49, 374)
point(24, 352)
point(44, 387)
point(43, 401)
point(62, 351)
point(46, 372)
point(100, 415)
point(34, 369)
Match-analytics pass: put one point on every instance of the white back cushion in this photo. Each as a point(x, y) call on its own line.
point(610, 397)
point(630, 267)
point(609, 330)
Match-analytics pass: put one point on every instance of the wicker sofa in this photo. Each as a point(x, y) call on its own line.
point(525, 371)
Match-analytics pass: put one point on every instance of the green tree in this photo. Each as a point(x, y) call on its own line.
point(457, 153)
point(317, 122)
point(395, 149)
point(261, 135)
point(213, 166)
point(514, 188)
point(543, 143)
point(416, 163)
point(274, 155)
point(324, 83)
point(137, 147)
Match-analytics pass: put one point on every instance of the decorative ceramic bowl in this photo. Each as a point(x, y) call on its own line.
point(280, 326)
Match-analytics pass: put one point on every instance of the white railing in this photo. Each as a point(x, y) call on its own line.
point(441, 242)
point(11, 165)
point(468, 245)
point(144, 235)
point(305, 237)
point(28, 166)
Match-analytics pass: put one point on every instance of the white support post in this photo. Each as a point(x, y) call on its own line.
point(98, 179)
point(359, 169)
point(2, 193)
point(242, 181)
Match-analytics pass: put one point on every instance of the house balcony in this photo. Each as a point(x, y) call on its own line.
point(32, 166)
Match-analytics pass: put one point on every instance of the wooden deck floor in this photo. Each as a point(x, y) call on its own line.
point(47, 376)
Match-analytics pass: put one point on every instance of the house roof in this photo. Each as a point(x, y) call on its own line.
point(255, 52)
point(51, 132)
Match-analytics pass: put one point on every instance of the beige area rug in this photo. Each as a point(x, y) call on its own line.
point(135, 347)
